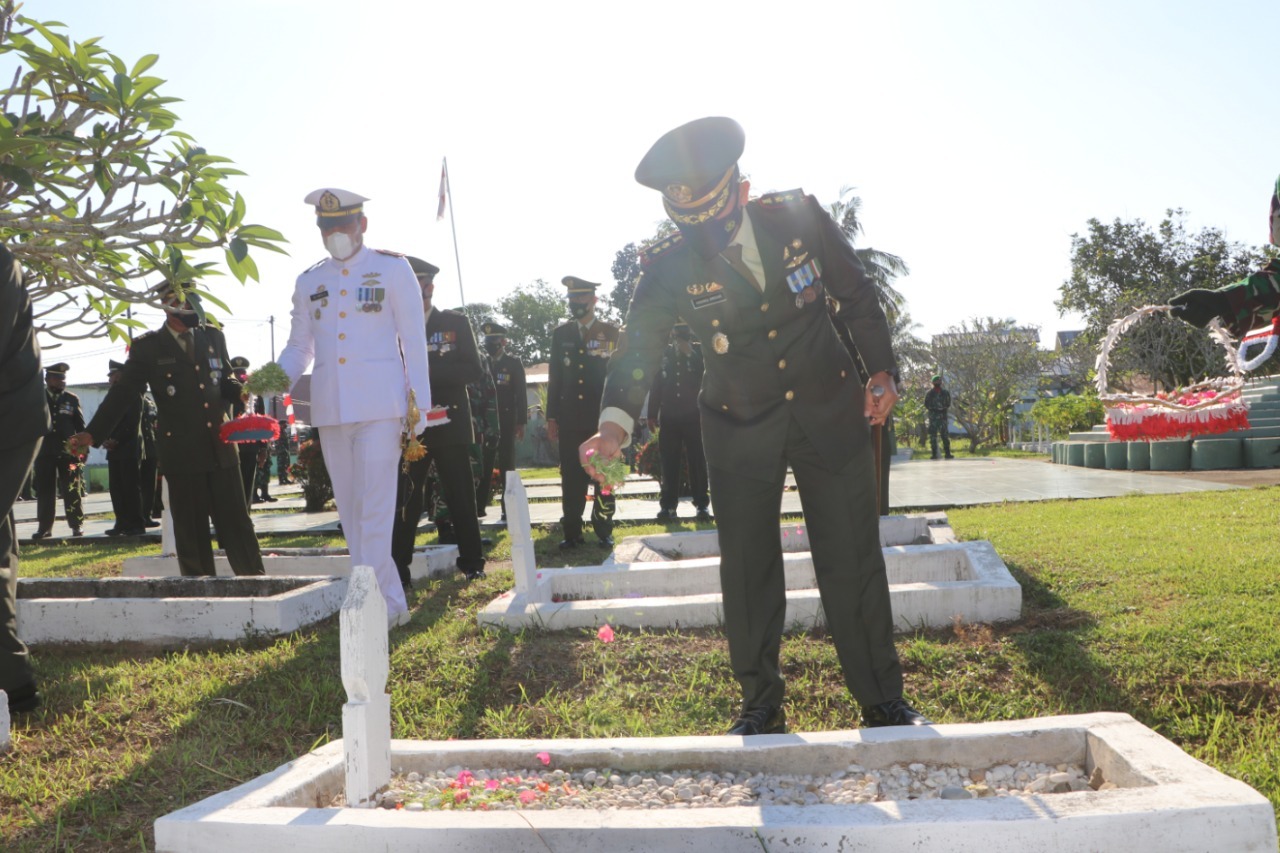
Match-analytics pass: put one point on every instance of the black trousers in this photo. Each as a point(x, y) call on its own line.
point(248, 469)
point(53, 476)
point(501, 455)
point(194, 498)
point(126, 491)
point(844, 535)
point(574, 483)
point(453, 466)
point(15, 663)
point(148, 485)
point(682, 434)
point(488, 458)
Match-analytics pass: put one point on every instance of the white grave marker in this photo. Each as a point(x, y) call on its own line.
point(4, 722)
point(520, 528)
point(168, 541)
point(366, 717)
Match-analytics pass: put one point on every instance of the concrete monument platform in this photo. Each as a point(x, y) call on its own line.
point(171, 611)
point(1163, 800)
point(429, 561)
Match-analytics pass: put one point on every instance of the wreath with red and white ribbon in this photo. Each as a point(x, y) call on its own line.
point(1212, 406)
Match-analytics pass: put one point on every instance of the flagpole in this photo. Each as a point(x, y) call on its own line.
point(454, 228)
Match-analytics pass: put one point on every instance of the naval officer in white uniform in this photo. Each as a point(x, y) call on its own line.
point(358, 315)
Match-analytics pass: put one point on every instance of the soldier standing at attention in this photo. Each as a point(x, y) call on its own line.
point(187, 367)
point(673, 408)
point(124, 461)
point(513, 405)
point(283, 459)
point(454, 361)
point(358, 315)
point(250, 451)
point(149, 468)
point(937, 402)
point(780, 389)
point(24, 424)
point(580, 351)
point(56, 470)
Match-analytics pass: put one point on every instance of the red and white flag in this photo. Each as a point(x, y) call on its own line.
point(444, 188)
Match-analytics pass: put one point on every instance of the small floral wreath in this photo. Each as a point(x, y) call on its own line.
point(1204, 408)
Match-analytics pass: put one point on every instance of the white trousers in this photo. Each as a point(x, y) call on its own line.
point(363, 461)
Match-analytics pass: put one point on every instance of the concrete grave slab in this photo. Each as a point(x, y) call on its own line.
point(922, 529)
point(929, 586)
point(1164, 800)
point(5, 738)
point(429, 561)
point(171, 611)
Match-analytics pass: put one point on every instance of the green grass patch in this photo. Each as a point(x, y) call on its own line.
point(1163, 607)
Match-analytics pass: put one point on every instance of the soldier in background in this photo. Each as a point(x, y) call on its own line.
point(185, 363)
point(283, 458)
point(513, 405)
point(453, 361)
point(56, 470)
point(673, 409)
point(124, 451)
point(937, 402)
point(580, 352)
point(488, 431)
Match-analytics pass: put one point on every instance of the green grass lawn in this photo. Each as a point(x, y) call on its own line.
point(1162, 607)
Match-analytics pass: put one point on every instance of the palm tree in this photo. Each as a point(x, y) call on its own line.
point(882, 267)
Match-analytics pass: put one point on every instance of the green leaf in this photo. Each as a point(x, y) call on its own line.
point(237, 214)
point(144, 85)
point(209, 297)
point(144, 63)
point(8, 145)
point(17, 175)
point(58, 42)
point(238, 249)
point(124, 85)
point(261, 232)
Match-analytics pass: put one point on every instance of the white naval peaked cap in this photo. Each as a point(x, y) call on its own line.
point(331, 202)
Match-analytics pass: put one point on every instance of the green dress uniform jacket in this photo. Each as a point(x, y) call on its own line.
point(55, 469)
point(453, 361)
point(780, 389)
point(513, 405)
point(193, 394)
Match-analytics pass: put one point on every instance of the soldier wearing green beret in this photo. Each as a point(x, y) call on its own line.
point(751, 278)
point(937, 402)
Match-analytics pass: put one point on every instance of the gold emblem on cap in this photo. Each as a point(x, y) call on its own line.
point(329, 202)
point(680, 193)
point(696, 289)
point(720, 343)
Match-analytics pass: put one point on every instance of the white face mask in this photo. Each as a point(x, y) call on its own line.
point(341, 245)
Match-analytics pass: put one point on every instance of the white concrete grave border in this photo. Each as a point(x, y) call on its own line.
point(5, 741)
point(429, 562)
point(168, 621)
point(1165, 800)
point(930, 586)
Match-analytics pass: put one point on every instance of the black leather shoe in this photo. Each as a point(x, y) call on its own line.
point(606, 541)
point(111, 531)
point(25, 698)
point(702, 515)
point(269, 499)
point(150, 523)
point(760, 721)
point(76, 531)
point(134, 531)
point(665, 515)
point(40, 534)
point(566, 544)
point(895, 712)
point(478, 574)
point(948, 456)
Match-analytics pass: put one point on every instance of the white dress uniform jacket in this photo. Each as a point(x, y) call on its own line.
point(361, 322)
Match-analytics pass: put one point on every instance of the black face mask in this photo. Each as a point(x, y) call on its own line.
point(493, 347)
point(189, 319)
point(579, 309)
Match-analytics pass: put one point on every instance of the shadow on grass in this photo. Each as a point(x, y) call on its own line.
point(251, 716)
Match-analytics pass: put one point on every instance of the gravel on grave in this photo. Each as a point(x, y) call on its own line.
point(460, 788)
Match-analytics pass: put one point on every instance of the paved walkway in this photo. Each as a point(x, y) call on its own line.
point(913, 485)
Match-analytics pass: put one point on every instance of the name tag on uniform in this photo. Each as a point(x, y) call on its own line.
point(804, 276)
point(708, 299)
point(319, 294)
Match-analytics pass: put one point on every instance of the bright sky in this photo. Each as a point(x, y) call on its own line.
point(980, 135)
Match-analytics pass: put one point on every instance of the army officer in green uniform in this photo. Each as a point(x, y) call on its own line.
point(751, 280)
point(55, 468)
point(186, 364)
point(580, 352)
